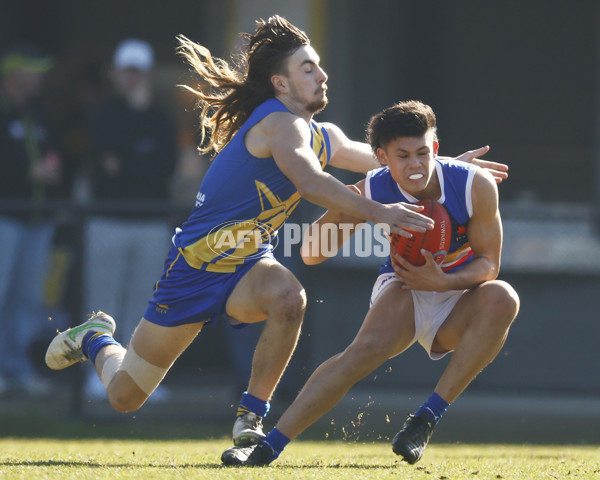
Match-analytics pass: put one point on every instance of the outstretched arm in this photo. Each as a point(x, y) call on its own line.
point(328, 234)
point(288, 140)
point(348, 154)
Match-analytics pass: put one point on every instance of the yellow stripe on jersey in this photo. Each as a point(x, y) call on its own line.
point(263, 190)
point(229, 244)
point(319, 145)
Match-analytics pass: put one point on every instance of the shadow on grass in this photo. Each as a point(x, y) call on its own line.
point(54, 463)
point(202, 466)
point(129, 426)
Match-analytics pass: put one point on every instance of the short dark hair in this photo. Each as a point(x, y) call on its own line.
point(405, 119)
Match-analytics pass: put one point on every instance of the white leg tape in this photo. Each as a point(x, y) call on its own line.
point(144, 374)
point(110, 367)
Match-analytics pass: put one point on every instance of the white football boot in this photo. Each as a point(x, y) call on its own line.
point(247, 430)
point(65, 348)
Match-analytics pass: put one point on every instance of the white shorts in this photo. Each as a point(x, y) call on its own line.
point(431, 310)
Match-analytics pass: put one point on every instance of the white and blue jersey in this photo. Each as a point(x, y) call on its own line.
point(456, 181)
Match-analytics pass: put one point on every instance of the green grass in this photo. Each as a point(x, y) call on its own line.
point(96, 459)
point(36, 447)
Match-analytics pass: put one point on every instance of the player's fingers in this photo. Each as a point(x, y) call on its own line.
point(354, 188)
point(494, 168)
point(413, 206)
point(411, 223)
point(479, 152)
point(421, 223)
point(498, 170)
point(399, 263)
point(405, 228)
point(427, 256)
point(412, 217)
point(402, 220)
point(399, 231)
point(488, 164)
point(499, 177)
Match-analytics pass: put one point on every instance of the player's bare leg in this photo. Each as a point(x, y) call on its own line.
point(157, 345)
point(268, 292)
point(388, 329)
point(129, 375)
point(476, 330)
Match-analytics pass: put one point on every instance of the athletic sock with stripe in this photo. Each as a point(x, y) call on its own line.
point(435, 406)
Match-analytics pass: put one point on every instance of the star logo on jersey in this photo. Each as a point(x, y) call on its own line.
point(274, 211)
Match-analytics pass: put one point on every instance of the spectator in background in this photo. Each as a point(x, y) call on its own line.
point(133, 157)
point(30, 174)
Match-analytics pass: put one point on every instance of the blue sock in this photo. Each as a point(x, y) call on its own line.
point(277, 441)
point(250, 403)
point(435, 406)
point(94, 341)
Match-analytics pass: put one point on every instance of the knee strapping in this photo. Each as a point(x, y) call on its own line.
point(144, 374)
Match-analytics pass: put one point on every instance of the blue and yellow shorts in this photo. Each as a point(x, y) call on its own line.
point(187, 295)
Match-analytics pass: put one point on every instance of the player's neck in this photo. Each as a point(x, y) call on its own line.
point(295, 108)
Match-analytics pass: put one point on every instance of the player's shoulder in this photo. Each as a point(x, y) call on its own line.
point(378, 179)
point(381, 171)
point(331, 128)
point(279, 117)
point(485, 181)
point(282, 124)
point(378, 173)
point(277, 131)
point(270, 114)
point(484, 191)
point(456, 171)
point(451, 164)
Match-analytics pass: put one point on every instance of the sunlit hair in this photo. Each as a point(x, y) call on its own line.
point(405, 119)
point(233, 93)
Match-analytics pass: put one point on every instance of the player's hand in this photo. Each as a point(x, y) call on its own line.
point(427, 277)
point(402, 218)
point(498, 170)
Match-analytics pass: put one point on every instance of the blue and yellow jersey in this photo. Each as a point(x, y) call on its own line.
point(242, 202)
point(456, 181)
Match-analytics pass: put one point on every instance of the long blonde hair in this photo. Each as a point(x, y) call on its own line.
point(233, 94)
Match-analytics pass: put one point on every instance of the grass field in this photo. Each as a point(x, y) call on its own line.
point(96, 459)
point(36, 445)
